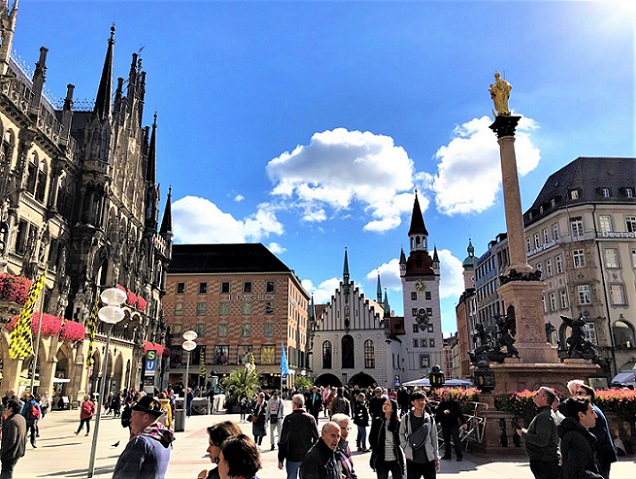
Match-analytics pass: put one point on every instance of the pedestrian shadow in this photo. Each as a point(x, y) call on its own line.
point(60, 445)
point(80, 472)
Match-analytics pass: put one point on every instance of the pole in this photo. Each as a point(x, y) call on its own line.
point(102, 388)
point(37, 341)
point(185, 391)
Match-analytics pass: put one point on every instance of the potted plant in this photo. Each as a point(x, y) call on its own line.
point(241, 381)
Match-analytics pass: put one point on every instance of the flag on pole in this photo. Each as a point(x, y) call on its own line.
point(21, 339)
point(92, 329)
point(284, 367)
point(202, 370)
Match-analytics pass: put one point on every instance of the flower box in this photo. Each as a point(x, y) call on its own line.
point(14, 288)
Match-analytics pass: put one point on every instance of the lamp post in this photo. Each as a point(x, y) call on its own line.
point(436, 377)
point(110, 314)
point(188, 345)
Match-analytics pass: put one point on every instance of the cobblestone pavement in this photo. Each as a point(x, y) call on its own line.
point(62, 454)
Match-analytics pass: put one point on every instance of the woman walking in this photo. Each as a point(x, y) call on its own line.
point(87, 411)
point(259, 430)
point(361, 419)
point(217, 435)
point(386, 453)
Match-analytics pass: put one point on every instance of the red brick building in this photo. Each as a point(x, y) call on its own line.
point(241, 300)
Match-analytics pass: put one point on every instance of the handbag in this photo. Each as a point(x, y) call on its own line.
point(254, 419)
point(249, 418)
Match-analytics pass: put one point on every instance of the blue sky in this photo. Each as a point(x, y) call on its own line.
point(307, 126)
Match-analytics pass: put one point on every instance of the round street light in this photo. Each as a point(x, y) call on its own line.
point(109, 314)
point(188, 345)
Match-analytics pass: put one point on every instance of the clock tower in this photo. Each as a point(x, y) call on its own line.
point(420, 273)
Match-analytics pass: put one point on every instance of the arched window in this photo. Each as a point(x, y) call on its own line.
point(369, 354)
point(623, 334)
point(326, 355)
point(348, 361)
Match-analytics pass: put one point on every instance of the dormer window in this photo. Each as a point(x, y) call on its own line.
point(629, 192)
point(605, 192)
point(574, 194)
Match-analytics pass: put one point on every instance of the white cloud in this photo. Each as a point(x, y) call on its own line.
point(389, 276)
point(323, 292)
point(238, 198)
point(451, 275)
point(276, 248)
point(341, 167)
point(198, 220)
point(469, 173)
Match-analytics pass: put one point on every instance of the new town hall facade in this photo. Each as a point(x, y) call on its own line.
point(79, 202)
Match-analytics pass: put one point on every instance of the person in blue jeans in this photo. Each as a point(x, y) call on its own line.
point(299, 434)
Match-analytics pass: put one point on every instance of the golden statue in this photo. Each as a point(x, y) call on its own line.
point(500, 93)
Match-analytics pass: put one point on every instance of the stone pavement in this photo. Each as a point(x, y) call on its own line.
point(61, 454)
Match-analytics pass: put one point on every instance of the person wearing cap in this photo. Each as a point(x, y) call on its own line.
point(148, 453)
point(14, 438)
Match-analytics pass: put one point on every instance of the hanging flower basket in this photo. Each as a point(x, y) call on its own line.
point(148, 346)
point(72, 331)
point(141, 303)
point(131, 298)
point(14, 288)
point(51, 325)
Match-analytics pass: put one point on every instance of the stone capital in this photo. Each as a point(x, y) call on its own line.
point(505, 126)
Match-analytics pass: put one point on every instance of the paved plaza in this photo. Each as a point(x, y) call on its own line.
point(60, 453)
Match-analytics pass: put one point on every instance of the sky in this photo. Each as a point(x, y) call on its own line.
point(308, 126)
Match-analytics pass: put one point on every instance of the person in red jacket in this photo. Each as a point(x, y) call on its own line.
point(87, 411)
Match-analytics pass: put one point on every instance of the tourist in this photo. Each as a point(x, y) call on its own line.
point(239, 458)
point(322, 462)
point(314, 403)
point(386, 453)
point(375, 403)
point(340, 404)
point(259, 428)
point(166, 416)
point(299, 434)
point(45, 403)
point(577, 442)
point(361, 420)
point(243, 403)
point(87, 411)
point(541, 438)
point(31, 412)
point(274, 417)
point(418, 435)
point(148, 453)
point(343, 451)
point(217, 434)
point(14, 437)
point(449, 416)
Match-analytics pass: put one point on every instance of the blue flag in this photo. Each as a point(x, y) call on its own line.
point(284, 367)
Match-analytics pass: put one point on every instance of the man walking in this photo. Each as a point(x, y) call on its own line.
point(541, 438)
point(321, 462)
point(449, 415)
point(299, 434)
point(418, 434)
point(14, 437)
point(314, 403)
point(375, 403)
point(32, 413)
point(274, 415)
point(343, 450)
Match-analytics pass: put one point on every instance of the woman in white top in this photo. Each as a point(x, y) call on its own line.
point(386, 453)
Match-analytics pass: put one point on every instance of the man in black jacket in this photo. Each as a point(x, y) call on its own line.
point(577, 442)
point(14, 438)
point(376, 402)
point(449, 415)
point(322, 462)
point(299, 434)
point(314, 402)
point(541, 438)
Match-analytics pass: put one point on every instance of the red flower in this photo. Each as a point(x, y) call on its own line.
point(51, 325)
point(131, 298)
point(141, 303)
point(72, 331)
point(14, 288)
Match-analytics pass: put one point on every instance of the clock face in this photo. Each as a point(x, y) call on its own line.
point(420, 285)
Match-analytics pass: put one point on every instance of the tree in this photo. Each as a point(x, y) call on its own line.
point(303, 382)
point(242, 381)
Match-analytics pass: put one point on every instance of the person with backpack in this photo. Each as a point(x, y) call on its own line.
point(32, 413)
point(274, 415)
point(418, 436)
point(87, 411)
point(361, 419)
point(341, 405)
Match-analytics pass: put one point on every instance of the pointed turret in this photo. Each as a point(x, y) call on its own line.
point(345, 271)
point(103, 101)
point(469, 266)
point(39, 77)
point(7, 29)
point(417, 232)
point(378, 293)
point(152, 151)
point(387, 307)
point(312, 309)
point(402, 262)
point(435, 257)
point(166, 222)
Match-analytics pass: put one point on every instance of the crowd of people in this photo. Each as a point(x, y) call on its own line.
point(567, 439)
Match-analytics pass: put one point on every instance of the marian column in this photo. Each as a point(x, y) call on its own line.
point(521, 287)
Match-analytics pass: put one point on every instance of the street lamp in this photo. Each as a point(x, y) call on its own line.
point(436, 377)
point(188, 345)
point(110, 314)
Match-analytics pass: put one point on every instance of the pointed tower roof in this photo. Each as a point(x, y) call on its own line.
point(379, 290)
point(152, 160)
point(435, 257)
point(402, 256)
point(103, 100)
point(166, 222)
point(345, 271)
point(387, 307)
point(312, 309)
point(469, 262)
point(417, 219)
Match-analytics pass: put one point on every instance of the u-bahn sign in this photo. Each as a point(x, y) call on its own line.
point(150, 366)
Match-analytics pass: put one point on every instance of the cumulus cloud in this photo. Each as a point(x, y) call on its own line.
point(198, 220)
point(469, 174)
point(276, 248)
point(452, 280)
point(340, 167)
point(323, 292)
point(238, 198)
point(389, 275)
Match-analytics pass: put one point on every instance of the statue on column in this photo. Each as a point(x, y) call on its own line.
point(500, 94)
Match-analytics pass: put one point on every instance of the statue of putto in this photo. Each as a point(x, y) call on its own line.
point(500, 94)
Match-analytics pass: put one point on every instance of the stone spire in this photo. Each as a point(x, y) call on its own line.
point(166, 222)
point(7, 29)
point(387, 307)
point(345, 272)
point(103, 101)
point(417, 232)
point(151, 172)
point(402, 262)
point(378, 293)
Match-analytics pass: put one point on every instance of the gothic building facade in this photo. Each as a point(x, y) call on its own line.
point(79, 203)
